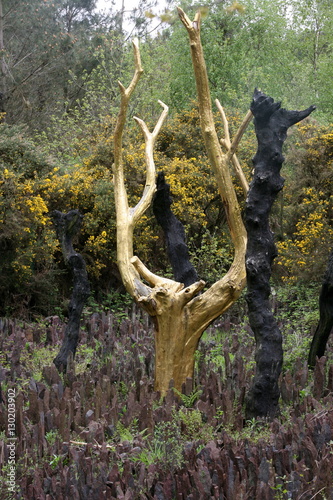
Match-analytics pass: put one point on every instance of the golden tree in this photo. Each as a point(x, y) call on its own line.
point(180, 313)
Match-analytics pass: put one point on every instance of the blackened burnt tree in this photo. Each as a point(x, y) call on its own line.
point(67, 227)
point(174, 233)
point(271, 125)
point(325, 323)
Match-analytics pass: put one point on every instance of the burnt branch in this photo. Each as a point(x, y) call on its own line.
point(174, 232)
point(325, 324)
point(67, 227)
point(271, 125)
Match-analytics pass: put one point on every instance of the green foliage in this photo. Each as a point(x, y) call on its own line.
point(282, 47)
point(62, 42)
point(52, 436)
point(254, 431)
point(27, 240)
point(85, 355)
point(35, 360)
point(154, 453)
point(127, 433)
point(118, 303)
point(297, 309)
point(19, 152)
point(165, 447)
point(57, 460)
point(28, 197)
point(32, 184)
point(281, 488)
point(192, 426)
point(122, 389)
point(166, 443)
point(212, 256)
point(79, 55)
point(188, 401)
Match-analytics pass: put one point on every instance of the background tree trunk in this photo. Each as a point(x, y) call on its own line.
point(325, 323)
point(67, 227)
point(271, 125)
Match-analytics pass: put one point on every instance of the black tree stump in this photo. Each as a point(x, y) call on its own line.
point(67, 226)
point(174, 233)
point(271, 125)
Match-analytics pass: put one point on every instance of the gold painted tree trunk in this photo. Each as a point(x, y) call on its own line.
point(180, 314)
point(174, 358)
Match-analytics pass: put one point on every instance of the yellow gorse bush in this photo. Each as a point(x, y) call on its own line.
point(30, 189)
point(38, 208)
point(305, 231)
point(303, 254)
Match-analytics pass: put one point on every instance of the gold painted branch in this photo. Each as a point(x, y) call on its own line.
point(124, 223)
point(231, 147)
point(218, 160)
point(223, 293)
point(150, 186)
point(128, 217)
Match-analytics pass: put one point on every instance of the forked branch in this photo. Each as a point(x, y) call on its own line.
point(127, 217)
point(150, 187)
point(126, 94)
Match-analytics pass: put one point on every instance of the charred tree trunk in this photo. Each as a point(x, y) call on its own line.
point(271, 125)
point(67, 226)
point(325, 323)
point(174, 233)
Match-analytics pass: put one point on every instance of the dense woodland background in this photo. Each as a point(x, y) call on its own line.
point(59, 66)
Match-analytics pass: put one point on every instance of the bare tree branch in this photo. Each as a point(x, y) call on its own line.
point(150, 186)
point(231, 147)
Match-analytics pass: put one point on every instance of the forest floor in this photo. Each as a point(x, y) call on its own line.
point(101, 432)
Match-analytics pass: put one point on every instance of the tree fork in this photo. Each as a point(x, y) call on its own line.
point(67, 226)
point(271, 125)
